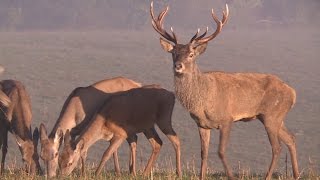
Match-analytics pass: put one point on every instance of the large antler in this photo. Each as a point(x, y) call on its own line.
point(157, 24)
point(220, 24)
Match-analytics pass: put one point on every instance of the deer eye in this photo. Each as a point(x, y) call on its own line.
point(191, 55)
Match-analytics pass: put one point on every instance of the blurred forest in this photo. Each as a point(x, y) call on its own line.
point(20, 15)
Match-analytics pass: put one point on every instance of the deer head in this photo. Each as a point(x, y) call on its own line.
point(50, 149)
point(29, 152)
point(184, 55)
point(70, 154)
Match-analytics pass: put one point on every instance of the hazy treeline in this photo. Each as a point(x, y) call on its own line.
point(134, 14)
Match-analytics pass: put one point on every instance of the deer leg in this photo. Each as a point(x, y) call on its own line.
point(289, 139)
point(172, 136)
point(273, 131)
point(205, 140)
point(83, 162)
point(133, 151)
point(114, 145)
point(224, 138)
point(4, 150)
point(156, 144)
point(116, 163)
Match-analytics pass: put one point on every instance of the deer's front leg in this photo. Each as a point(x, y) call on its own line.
point(205, 139)
point(83, 162)
point(224, 138)
point(4, 150)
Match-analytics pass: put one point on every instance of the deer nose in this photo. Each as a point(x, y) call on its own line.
point(178, 67)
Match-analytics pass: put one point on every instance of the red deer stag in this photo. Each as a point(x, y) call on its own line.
point(76, 113)
point(17, 118)
point(217, 99)
point(121, 117)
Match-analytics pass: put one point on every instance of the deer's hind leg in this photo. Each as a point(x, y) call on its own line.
point(289, 139)
point(132, 140)
point(115, 142)
point(116, 163)
point(156, 144)
point(172, 136)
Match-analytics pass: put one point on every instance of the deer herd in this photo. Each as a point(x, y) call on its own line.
point(117, 109)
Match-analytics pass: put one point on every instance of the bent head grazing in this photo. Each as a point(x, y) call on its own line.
point(70, 154)
point(29, 152)
point(50, 149)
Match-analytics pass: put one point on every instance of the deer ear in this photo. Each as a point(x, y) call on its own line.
point(67, 138)
point(166, 45)
point(19, 141)
point(43, 132)
point(201, 48)
point(35, 137)
point(58, 135)
point(80, 145)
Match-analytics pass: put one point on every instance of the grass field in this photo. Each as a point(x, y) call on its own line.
point(51, 64)
point(159, 174)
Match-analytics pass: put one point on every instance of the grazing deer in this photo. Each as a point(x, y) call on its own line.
point(76, 113)
point(217, 99)
point(121, 117)
point(17, 118)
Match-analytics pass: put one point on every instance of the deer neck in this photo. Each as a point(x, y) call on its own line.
point(190, 88)
point(20, 123)
point(89, 137)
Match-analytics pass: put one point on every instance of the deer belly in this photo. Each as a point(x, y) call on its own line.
point(204, 122)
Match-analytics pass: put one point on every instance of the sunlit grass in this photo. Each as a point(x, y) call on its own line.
point(188, 173)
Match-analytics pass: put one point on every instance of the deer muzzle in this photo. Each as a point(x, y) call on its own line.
point(178, 67)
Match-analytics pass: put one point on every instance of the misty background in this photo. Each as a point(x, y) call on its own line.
point(53, 46)
point(21, 15)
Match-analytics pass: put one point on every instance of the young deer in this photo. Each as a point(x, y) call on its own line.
point(76, 113)
point(121, 117)
point(17, 118)
point(217, 99)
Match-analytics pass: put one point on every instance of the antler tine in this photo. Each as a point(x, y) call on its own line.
point(195, 36)
point(200, 37)
point(219, 26)
point(225, 15)
point(157, 24)
point(174, 35)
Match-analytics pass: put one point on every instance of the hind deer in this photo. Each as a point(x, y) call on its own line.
point(217, 99)
point(76, 113)
point(17, 118)
point(123, 116)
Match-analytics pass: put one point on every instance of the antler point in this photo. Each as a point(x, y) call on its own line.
point(227, 9)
